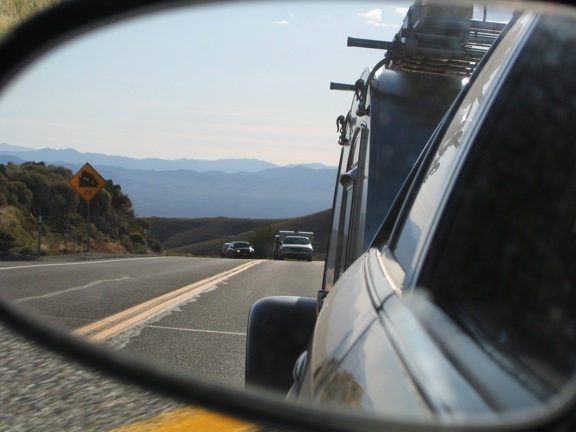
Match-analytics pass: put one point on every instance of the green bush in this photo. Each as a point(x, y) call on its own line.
point(7, 241)
point(31, 189)
point(137, 238)
point(262, 240)
point(27, 250)
point(139, 249)
point(155, 246)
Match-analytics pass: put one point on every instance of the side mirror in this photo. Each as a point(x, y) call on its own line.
point(176, 325)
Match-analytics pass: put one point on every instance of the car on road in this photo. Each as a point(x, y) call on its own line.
point(240, 249)
point(296, 247)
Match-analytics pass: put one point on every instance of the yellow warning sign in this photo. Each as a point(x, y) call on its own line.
point(87, 182)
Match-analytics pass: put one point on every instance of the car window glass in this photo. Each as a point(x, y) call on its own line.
point(504, 265)
point(346, 192)
point(440, 171)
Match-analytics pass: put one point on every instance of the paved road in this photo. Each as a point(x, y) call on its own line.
point(204, 335)
point(74, 293)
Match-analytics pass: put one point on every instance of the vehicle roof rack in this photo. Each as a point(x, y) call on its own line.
point(435, 39)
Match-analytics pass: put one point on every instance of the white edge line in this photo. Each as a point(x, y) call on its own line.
point(195, 330)
point(79, 263)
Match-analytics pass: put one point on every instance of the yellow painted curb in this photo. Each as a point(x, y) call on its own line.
point(189, 419)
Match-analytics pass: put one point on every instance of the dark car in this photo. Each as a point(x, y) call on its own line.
point(465, 302)
point(240, 249)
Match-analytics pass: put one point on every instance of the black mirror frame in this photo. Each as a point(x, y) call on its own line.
point(34, 38)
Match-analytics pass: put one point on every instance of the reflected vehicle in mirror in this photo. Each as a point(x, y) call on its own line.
point(396, 106)
point(224, 250)
point(240, 249)
point(296, 247)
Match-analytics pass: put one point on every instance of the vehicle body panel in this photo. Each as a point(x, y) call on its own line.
point(473, 359)
point(381, 148)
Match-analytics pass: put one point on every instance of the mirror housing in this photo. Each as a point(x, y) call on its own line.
point(279, 329)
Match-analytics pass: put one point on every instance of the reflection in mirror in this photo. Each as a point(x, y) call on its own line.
point(170, 190)
point(206, 126)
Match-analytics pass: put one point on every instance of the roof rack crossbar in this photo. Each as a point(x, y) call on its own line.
point(340, 86)
point(371, 43)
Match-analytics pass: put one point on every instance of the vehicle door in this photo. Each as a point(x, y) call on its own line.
point(384, 346)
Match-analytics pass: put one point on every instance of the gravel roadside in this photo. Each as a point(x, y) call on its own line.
point(40, 390)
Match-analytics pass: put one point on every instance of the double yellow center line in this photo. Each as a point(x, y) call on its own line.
point(113, 325)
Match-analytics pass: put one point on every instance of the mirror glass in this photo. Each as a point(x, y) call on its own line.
point(203, 126)
point(147, 167)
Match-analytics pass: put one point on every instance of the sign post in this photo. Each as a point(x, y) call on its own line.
point(87, 182)
point(39, 234)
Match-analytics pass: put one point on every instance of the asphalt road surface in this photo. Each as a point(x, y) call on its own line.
point(202, 334)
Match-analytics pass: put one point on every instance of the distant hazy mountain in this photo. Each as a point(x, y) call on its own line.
point(246, 188)
point(4, 159)
point(8, 147)
point(61, 157)
point(281, 192)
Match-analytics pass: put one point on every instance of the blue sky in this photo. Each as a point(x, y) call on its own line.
point(212, 82)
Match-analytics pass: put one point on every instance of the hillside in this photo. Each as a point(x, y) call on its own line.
point(34, 191)
point(205, 236)
point(13, 12)
point(176, 233)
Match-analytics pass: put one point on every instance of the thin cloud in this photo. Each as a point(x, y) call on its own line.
point(401, 10)
point(373, 17)
point(291, 14)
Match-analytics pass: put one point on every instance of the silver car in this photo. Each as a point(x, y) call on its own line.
point(296, 247)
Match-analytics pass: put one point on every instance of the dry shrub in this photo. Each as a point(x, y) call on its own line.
point(14, 12)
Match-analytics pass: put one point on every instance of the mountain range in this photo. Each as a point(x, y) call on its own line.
point(17, 154)
point(190, 188)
